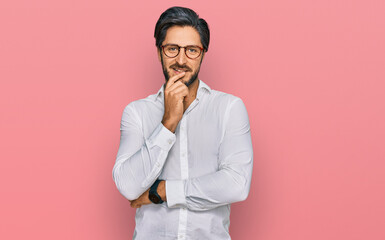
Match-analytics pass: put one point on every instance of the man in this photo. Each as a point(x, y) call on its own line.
point(185, 152)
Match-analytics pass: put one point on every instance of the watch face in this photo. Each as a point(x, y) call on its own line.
point(153, 198)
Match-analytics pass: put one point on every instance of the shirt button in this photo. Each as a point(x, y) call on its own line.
point(169, 141)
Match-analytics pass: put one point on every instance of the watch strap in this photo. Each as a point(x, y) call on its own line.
point(154, 192)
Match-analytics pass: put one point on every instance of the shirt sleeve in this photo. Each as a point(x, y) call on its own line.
point(231, 183)
point(139, 160)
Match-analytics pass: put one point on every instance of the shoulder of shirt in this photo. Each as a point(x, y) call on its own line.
point(224, 98)
point(141, 103)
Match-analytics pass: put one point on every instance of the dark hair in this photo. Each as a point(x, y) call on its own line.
point(180, 16)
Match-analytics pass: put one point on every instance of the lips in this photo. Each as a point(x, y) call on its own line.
point(179, 70)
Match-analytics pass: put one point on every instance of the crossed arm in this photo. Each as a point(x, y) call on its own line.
point(140, 162)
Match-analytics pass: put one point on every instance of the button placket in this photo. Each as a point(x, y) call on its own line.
point(184, 174)
point(183, 149)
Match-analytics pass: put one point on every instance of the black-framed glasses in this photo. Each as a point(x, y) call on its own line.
point(191, 51)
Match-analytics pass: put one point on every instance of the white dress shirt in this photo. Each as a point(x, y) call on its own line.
point(207, 164)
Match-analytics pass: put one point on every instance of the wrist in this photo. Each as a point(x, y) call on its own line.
point(170, 124)
point(162, 190)
point(153, 194)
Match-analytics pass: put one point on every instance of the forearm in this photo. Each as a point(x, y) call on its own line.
point(135, 171)
point(133, 175)
point(210, 191)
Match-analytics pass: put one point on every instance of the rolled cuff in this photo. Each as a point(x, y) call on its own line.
point(175, 193)
point(162, 137)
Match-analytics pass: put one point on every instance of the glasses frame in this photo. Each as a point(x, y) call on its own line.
point(185, 52)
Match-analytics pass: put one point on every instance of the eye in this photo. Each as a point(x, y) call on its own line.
point(172, 48)
point(192, 50)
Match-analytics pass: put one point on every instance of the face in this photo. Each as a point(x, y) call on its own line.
point(181, 36)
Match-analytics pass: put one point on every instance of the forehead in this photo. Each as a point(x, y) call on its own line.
point(182, 36)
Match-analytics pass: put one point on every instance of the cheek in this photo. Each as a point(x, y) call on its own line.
point(196, 67)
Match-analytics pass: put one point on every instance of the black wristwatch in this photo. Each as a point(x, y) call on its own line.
point(153, 194)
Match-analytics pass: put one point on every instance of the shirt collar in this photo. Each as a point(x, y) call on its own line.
point(203, 87)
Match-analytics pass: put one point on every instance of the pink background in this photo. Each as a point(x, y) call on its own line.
point(311, 74)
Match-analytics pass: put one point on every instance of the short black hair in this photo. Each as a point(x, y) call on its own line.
point(181, 16)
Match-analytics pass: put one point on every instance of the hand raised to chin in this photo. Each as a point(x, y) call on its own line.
point(174, 93)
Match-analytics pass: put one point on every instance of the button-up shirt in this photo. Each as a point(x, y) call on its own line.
point(207, 164)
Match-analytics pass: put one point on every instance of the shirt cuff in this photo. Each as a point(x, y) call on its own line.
point(175, 193)
point(162, 137)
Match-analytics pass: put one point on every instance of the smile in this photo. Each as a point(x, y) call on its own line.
point(179, 70)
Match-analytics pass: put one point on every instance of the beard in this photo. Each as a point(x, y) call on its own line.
point(193, 77)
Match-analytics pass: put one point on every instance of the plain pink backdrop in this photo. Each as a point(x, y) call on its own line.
point(311, 74)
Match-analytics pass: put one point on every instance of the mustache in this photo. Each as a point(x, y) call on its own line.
point(184, 67)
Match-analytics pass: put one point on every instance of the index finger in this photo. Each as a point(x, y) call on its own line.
point(174, 79)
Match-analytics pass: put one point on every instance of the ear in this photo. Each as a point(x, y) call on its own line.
point(158, 52)
point(203, 55)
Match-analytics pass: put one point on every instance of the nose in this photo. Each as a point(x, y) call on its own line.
point(181, 58)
